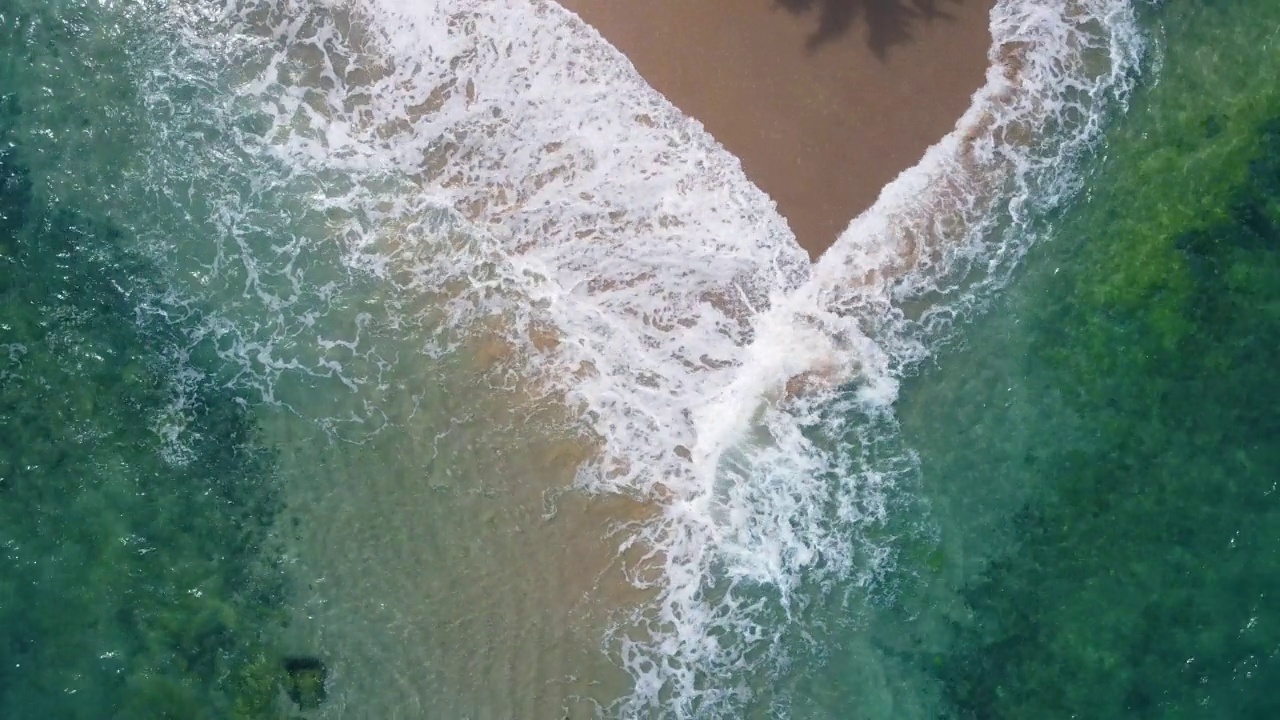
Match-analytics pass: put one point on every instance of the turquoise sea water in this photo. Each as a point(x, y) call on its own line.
point(1088, 526)
point(1097, 498)
point(138, 580)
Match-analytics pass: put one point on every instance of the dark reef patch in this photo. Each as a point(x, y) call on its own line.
point(1143, 583)
point(138, 573)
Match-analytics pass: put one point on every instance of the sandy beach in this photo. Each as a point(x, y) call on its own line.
point(824, 101)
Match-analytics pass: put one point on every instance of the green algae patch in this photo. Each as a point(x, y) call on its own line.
point(139, 577)
point(1177, 166)
point(1143, 582)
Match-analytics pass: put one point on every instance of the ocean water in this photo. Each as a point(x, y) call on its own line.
point(415, 360)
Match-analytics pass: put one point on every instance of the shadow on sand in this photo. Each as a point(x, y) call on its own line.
point(889, 22)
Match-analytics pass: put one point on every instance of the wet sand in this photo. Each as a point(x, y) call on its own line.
point(825, 101)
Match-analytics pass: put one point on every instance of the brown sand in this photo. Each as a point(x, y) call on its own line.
point(825, 101)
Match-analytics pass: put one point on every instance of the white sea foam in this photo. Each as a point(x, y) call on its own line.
point(502, 161)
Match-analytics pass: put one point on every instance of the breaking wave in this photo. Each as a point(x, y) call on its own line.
point(495, 169)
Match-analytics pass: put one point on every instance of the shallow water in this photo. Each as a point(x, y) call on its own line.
point(402, 340)
point(138, 579)
point(1095, 500)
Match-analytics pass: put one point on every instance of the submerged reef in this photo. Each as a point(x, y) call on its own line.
point(138, 574)
point(1143, 583)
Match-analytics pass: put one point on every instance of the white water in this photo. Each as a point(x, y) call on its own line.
point(498, 168)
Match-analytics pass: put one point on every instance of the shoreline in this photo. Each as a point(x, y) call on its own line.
point(824, 103)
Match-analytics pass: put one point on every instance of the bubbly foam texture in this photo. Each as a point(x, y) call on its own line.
point(501, 171)
point(957, 221)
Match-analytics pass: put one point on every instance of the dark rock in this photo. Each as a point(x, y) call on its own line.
point(306, 680)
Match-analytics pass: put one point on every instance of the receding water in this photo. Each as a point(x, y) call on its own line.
point(379, 361)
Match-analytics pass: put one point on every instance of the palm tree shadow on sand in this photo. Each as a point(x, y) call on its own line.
point(889, 22)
